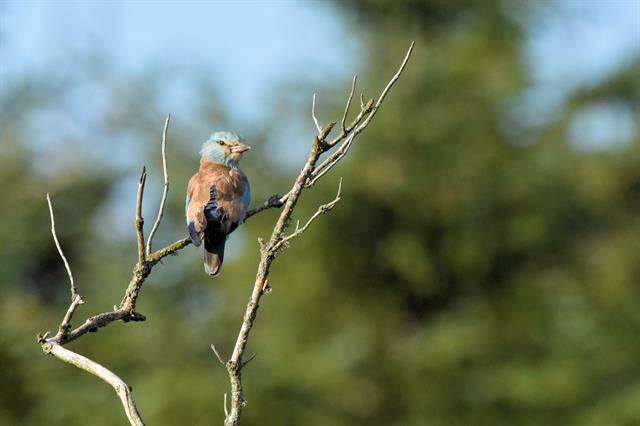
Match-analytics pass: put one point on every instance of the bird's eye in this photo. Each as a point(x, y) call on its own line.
point(220, 143)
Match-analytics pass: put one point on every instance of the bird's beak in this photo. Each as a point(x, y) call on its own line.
point(240, 148)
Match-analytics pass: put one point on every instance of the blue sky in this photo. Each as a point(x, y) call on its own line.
point(577, 43)
point(255, 44)
point(251, 45)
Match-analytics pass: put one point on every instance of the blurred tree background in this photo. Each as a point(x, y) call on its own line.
point(482, 267)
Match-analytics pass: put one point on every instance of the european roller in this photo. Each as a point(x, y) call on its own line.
point(217, 196)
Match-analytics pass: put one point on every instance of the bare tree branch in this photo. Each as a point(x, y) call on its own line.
point(122, 389)
point(76, 299)
point(72, 284)
point(388, 87)
point(324, 208)
point(215, 351)
point(368, 111)
point(330, 161)
point(249, 359)
point(126, 311)
point(235, 364)
point(139, 221)
point(346, 108)
point(273, 201)
point(52, 346)
point(270, 250)
point(165, 189)
point(65, 325)
point(313, 113)
point(359, 123)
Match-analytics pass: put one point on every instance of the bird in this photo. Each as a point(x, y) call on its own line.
point(218, 196)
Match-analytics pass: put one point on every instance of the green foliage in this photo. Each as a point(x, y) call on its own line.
point(477, 270)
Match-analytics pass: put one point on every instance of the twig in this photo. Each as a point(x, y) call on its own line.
point(122, 389)
point(65, 325)
point(324, 208)
point(76, 299)
point(330, 161)
point(139, 221)
point(249, 359)
point(368, 111)
point(388, 87)
point(165, 189)
point(346, 108)
point(72, 284)
point(313, 113)
point(215, 351)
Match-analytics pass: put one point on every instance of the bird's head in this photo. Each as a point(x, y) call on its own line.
point(224, 147)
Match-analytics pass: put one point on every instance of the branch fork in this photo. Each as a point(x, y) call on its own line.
point(146, 259)
point(310, 173)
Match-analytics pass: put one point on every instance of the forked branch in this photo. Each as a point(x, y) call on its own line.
point(324, 208)
point(126, 311)
point(348, 133)
point(309, 174)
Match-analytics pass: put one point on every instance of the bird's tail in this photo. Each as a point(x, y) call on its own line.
point(213, 253)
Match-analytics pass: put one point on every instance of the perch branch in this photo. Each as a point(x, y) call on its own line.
point(275, 201)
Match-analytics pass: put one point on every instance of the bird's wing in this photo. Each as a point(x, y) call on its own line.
point(215, 200)
point(233, 197)
point(201, 204)
point(241, 192)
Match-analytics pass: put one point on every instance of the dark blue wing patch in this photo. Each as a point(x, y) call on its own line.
point(211, 211)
